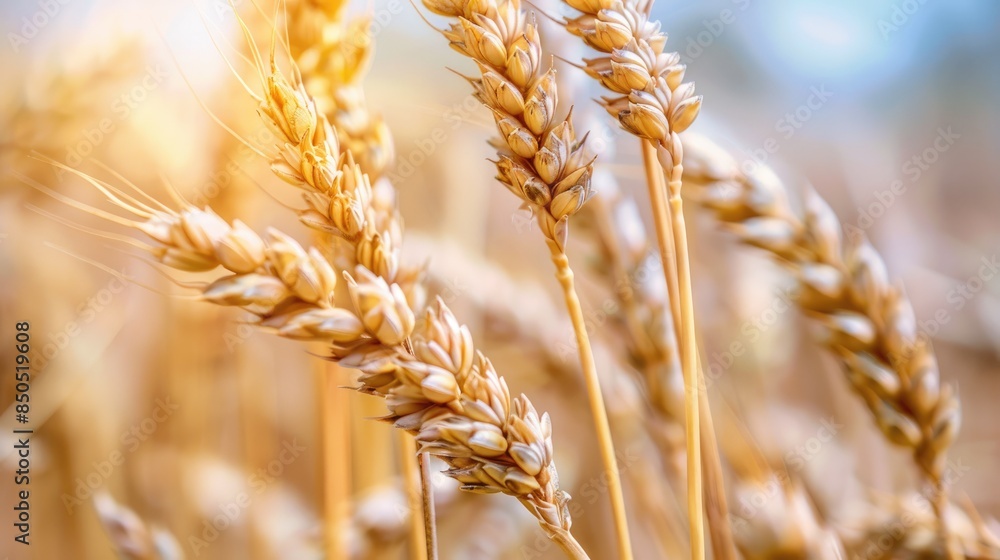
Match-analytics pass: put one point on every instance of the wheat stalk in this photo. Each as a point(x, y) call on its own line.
point(867, 321)
point(534, 326)
point(652, 103)
point(645, 319)
point(381, 516)
point(541, 161)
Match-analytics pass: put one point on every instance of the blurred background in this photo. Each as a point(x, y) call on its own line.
point(156, 412)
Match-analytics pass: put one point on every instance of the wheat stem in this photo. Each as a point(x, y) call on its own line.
point(427, 493)
point(661, 221)
point(596, 400)
point(692, 378)
point(336, 459)
point(570, 546)
point(411, 474)
point(670, 231)
point(940, 504)
point(717, 510)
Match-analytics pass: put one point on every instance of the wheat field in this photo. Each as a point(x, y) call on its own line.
point(494, 279)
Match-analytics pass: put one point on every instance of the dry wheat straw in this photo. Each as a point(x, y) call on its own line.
point(653, 103)
point(867, 321)
point(648, 326)
point(421, 541)
point(541, 161)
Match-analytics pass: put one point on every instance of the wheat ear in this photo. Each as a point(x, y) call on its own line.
point(541, 161)
point(867, 321)
point(436, 385)
point(283, 107)
point(333, 55)
point(651, 102)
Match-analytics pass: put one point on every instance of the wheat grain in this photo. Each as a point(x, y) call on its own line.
point(651, 100)
point(536, 329)
point(331, 55)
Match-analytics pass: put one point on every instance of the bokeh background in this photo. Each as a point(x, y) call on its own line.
point(853, 98)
